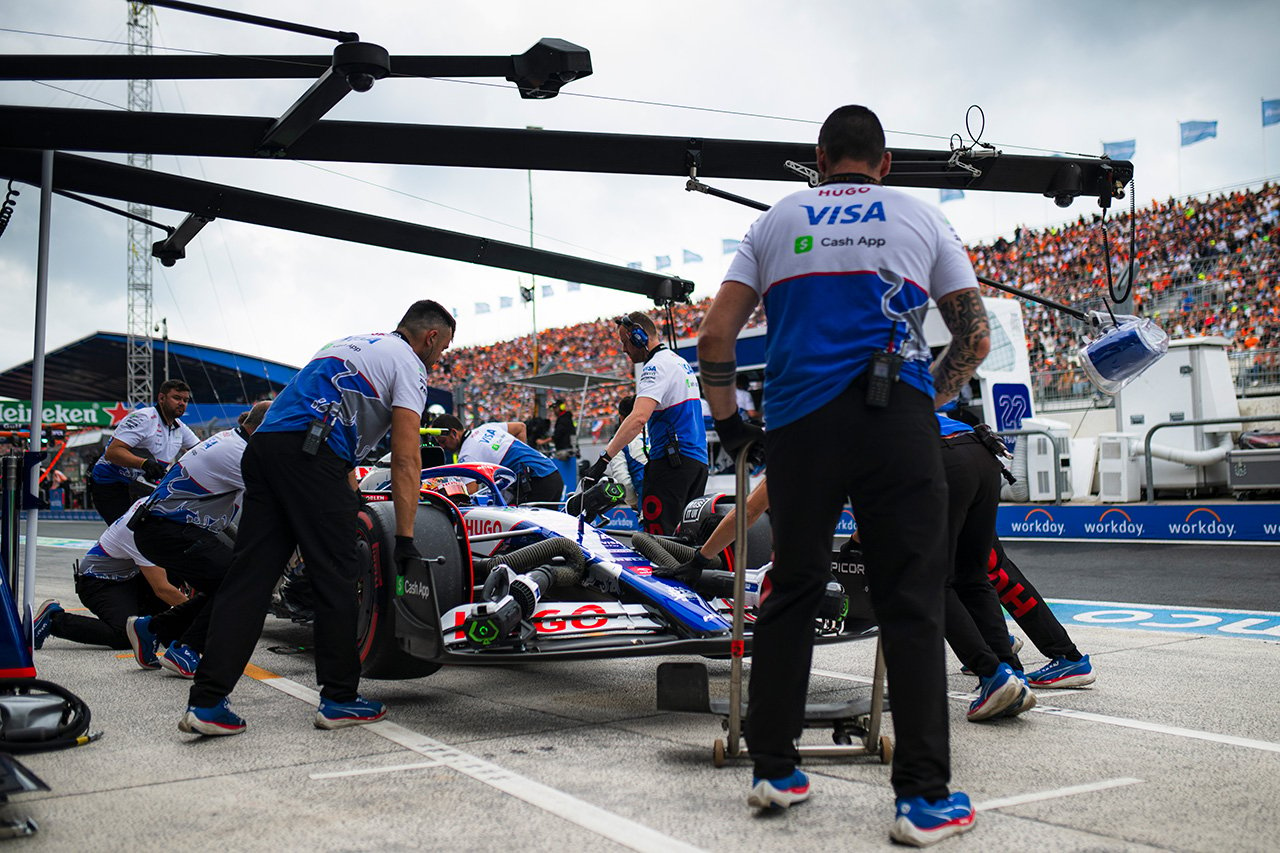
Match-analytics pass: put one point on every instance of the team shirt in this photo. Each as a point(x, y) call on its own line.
point(845, 270)
point(145, 430)
point(115, 556)
point(951, 426)
point(206, 486)
point(353, 383)
point(492, 443)
point(669, 380)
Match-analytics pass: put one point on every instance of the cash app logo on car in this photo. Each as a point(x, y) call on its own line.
point(804, 244)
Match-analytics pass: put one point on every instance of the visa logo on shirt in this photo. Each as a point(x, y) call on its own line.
point(844, 215)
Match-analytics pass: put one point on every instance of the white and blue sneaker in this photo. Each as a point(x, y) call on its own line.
point(1026, 701)
point(338, 715)
point(1015, 644)
point(920, 822)
point(996, 694)
point(1061, 672)
point(144, 643)
point(180, 660)
point(215, 720)
point(42, 625)
point(779, 793)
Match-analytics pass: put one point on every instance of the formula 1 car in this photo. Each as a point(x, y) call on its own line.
point(504, 584)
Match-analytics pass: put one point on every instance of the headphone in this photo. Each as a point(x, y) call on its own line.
point(636, 334)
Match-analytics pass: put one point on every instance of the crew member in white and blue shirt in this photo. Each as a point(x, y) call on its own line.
point(502, 443)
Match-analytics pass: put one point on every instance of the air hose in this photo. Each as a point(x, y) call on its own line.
point(40, 716)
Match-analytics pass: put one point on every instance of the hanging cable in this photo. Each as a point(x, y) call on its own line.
point(6, 209)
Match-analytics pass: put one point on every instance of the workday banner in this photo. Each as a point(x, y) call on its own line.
point(1181, 522)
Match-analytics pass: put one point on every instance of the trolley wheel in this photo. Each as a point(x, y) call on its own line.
point(886, 749)
point(717, 753)
point(841, 738)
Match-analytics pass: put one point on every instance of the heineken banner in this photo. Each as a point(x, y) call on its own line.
point(73, 413)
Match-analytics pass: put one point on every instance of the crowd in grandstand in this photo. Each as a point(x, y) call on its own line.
point(1204, 267)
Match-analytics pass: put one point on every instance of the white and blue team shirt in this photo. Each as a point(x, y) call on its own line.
point(115, 556)
point(206, 486)
point(145, 430)
point(492, 443)
point(669, 380)
point(845, 270)
point(354, 383)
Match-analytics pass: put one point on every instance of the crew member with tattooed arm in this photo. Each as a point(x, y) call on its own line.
point(846, 271)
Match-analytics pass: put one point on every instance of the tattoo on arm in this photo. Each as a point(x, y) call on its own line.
point(718, 374)
point(966, 318)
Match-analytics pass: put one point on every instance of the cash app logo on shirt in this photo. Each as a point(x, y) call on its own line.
point(804, 244)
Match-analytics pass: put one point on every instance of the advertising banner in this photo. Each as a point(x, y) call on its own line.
point(1169, 522)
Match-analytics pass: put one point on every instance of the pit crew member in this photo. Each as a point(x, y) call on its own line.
point(537, 478)
point(300, 492)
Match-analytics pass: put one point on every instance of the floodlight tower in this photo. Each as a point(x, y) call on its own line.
point(138, 355)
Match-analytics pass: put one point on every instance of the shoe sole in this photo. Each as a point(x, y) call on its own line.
point(1025, 702)
point(193, 725)
point(1009, 693)
point(136, 645)
point(765, 796)
point(906, 832)
point(1083, 680)
point(323, 722)
point(177, 670)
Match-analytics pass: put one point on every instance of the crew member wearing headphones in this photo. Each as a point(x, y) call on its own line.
point(669, 403)
point(537, 478)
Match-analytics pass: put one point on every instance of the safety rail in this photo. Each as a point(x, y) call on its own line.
point(1146, 445)
point(1057, 479)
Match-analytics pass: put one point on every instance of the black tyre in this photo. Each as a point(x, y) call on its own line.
point(380, 652)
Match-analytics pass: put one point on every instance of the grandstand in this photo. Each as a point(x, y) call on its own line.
point(1203, 267)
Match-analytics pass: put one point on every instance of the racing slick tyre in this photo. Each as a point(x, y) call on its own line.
point(380, 652)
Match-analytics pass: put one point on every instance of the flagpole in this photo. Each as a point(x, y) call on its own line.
point(1262, 114)
point(533, 280)
point(1179, 159)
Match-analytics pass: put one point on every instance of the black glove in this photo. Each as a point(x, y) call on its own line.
point(735, 433)
point(406, 555)
point(154, 469)
point(596, 471)
point(688, 572)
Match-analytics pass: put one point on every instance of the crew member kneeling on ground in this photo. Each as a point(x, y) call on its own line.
point(300, 492)
point(145, 443)
point(669, 404)
point(846, 298)
point(537, 478)
point(181, 525)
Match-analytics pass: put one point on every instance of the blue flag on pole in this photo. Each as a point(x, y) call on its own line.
point(482, 307)
point(504, 302)
point(1122, 150)
point(663, 261)
point(691, 257)
point(949, 195)
point(574, 286)
point(1194, 131)
point(547, 290)
point(1271, 112)
point(729, 246)
point(634, 265)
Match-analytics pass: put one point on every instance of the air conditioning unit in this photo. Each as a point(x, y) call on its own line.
point(1119, 471)
point(1048, 460)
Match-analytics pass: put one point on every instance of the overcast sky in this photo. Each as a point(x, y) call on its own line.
point(1053, 77)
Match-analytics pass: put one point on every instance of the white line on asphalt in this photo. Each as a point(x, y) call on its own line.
point(367, 771)
point(1122, 722)
point(1020, 799)
point(1133, 605)
point(616, 828)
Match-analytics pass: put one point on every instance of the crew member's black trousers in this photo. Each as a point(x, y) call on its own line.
point(1027, 607)
point(113, 602)
point(193, 555)
point(975, 626)
point(548, 489)
point(667, 490)
point(886, 462)
point(290, 500)
point(111, 500)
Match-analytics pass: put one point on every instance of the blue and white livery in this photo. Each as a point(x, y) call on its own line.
point(669, 380)
point(206, 486)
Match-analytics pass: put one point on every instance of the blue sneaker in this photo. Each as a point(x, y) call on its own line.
point(144, 643)
point(43, 623)
point(338, 715)
point(1015, 644)
point(996, 694)
point(921, 823)
point(180, 659)
point(1026, 700)
point(216, 720)
point(1059, 672)
point(779, 793)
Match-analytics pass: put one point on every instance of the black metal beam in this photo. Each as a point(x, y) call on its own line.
point(568, 151)
point(209, 200)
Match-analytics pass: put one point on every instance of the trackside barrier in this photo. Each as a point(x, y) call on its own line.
point(1247, 419)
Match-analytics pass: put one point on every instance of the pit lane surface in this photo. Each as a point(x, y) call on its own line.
point(1177, 747)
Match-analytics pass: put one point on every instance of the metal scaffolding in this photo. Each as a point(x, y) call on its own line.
point(138, 350)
